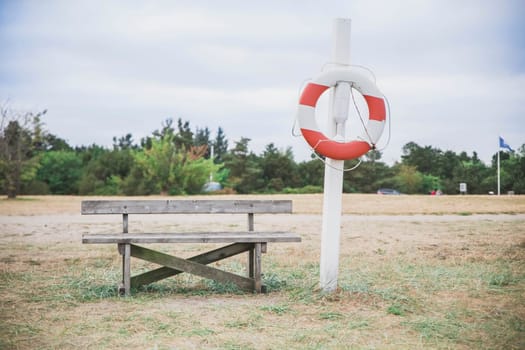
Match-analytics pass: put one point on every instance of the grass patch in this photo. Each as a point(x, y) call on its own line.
point(402, 284)
point(276, 309)
point(502, 279)
point(437, 330)
point(333, 315)
point(396, 309)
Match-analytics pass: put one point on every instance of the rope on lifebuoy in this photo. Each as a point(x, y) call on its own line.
point(373, 129)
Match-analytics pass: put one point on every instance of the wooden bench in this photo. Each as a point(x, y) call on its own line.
point(253, 242)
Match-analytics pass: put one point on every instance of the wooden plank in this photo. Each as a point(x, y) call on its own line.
point(205, 258)
point(194, 237)
point(185, 206)
point(193, 268)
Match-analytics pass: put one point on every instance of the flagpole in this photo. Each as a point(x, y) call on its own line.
point(498, 170)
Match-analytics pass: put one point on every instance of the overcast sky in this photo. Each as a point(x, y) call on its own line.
point(453, 71)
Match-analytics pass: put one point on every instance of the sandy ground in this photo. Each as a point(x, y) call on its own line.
point(57, 219)
point(367, 221)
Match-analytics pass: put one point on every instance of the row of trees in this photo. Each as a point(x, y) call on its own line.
point(178, 160)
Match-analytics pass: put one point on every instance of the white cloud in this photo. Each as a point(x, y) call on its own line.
point(453, 71)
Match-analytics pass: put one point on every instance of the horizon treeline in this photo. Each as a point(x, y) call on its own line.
point(179, 160)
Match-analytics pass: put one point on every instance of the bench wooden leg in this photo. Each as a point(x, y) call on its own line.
point(125, 251)
point(257, 251)
point(205, 259)
point(192, 267)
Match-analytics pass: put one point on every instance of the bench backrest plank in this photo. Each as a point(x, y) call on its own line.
point(186, 207)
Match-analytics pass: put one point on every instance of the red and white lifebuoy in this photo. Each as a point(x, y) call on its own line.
point(376, 110)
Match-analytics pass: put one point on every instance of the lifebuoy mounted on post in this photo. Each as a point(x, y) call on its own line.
point(376, 109)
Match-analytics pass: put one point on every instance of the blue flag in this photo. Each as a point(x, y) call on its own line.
point(502, 144)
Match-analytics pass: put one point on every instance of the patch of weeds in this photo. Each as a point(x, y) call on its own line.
point(501, 279)
point(357, 324)
point(303, 283)
point(164, 328)
point(99, 263)
point(276, 309)
point(396, 309)
point(168, 286)
point(7, 277)
point(380, 251)
point(464, 213)
point(85, 287)
point(273, 282)
point(100, 291)
point(89, 287)
point(123, 331)
point(330, 316)
point(231, 345)
point(305, 294)
point(199, 332)
point(253, 320)
point(222, 288)
point(504, 332)
point(174, 314)
point(74, 261)
point(517, 324)
point(356, 286)
point(16, 334)
point(433, 329)
point(390, 294)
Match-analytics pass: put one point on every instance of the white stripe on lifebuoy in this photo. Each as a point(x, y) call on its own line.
point(308, 125)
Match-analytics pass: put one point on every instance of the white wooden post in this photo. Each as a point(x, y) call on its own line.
point(333, 174)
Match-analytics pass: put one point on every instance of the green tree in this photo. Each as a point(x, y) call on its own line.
point(426, 159)
point(278, 168)
point(245, 171)
point(104, 170)
point(220, 146)
point(512, 171)
point(408, 179)
point(202, 138)
point(184, 137)
point(369, 176)
point(311, 173)
point(124, 143)
point(17, 164)
point(55, 143)
point(172, 170)
point(472, 172)
point(159, 163)
point(61, 171)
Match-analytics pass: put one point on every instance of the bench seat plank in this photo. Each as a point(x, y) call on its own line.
point(194, 237)
point(186, 207)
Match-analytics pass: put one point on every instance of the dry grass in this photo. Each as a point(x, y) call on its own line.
point(406, 282)
point(360, 204)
